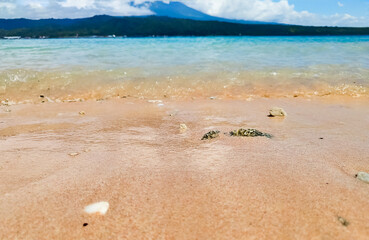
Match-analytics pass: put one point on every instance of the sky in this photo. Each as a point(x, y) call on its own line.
point(305, 12)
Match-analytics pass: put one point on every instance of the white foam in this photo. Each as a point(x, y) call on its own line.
point(155, 101)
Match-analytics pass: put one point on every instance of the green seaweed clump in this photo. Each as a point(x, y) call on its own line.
point(210, 135)
point(249, 133)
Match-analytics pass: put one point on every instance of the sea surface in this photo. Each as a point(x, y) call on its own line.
point(181, 67)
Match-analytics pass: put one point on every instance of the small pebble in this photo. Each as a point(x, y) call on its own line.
point(183, 127)
point(82, 113)
point(277, 112)
point(73, 154)
point(99, 207)
point(343, 221)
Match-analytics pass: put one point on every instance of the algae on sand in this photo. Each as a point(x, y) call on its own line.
point(211, 135)
point(249, 133)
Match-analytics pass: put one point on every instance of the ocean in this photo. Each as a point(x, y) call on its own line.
point(183, 67)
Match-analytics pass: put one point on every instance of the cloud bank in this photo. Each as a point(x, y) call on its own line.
point(273, 11)
point(261, 10)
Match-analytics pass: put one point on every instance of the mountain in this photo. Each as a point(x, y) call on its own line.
point(158, 8)
point(9, 24)
point(180, 10)
point(158, 26)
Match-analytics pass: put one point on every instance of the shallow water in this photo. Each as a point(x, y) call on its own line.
point(234, 67)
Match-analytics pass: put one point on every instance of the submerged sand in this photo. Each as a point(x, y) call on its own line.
point(162, 183)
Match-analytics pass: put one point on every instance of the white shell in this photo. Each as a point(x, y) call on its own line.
point(99, 207)
point(363, 176)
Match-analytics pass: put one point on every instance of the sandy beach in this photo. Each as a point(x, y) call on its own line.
point(162, 183)
point(184, 120)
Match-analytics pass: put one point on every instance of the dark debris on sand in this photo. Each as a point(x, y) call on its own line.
point(211, 135)
point(237, 133)
point(249, 133)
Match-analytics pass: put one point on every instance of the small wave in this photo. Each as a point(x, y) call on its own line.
point(22, 85)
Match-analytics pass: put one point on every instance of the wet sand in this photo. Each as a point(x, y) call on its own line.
point(164, 184)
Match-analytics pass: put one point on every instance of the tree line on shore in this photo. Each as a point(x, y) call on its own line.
point(104, 25)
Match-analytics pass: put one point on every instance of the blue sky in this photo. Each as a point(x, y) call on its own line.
point(328, 7)
point(304, 12)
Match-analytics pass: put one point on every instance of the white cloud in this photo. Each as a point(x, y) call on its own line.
point(113, 7)
point(36, 9)
point(78, 3)
point(340, 4)
point(349, 17)
point(123, 8)
point(272, 11)
point(35, 5)
point(7, 5)
point(338, 20)
point(260, 10)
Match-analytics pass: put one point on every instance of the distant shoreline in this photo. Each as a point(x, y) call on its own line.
point(184, 36)
point(149, 26)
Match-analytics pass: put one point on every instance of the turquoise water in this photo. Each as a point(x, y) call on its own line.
point(237, 53)
point(300, 62)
